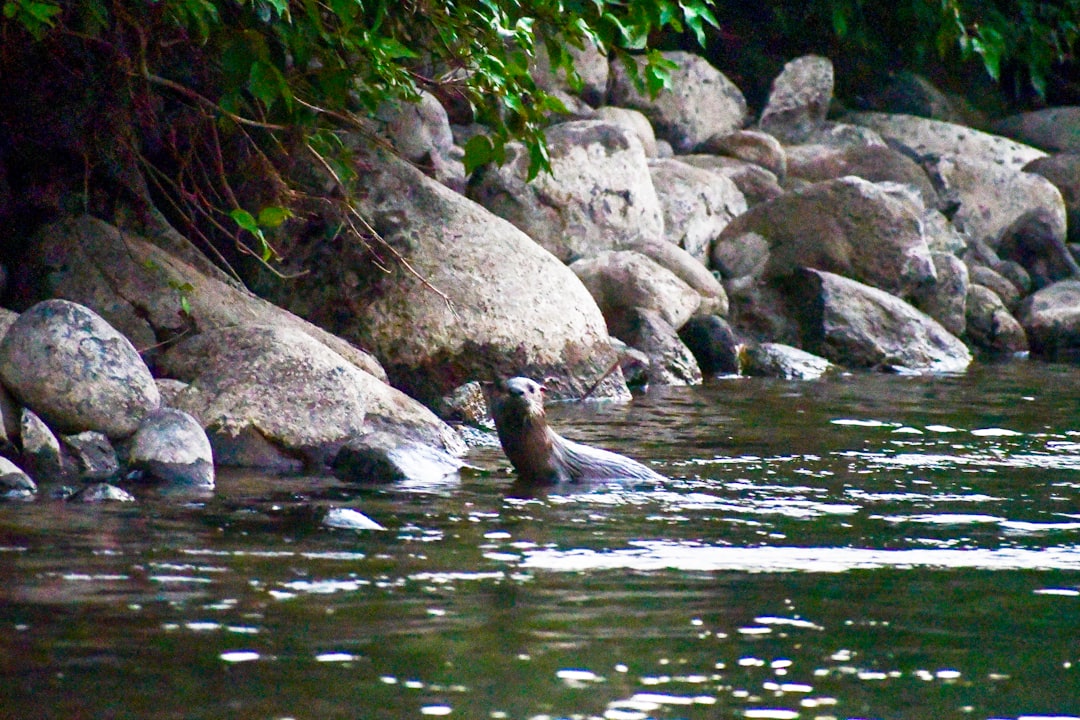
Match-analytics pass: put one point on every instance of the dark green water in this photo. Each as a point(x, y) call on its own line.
point(863, 547)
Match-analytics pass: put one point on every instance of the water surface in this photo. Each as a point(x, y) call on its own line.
point(866, 546)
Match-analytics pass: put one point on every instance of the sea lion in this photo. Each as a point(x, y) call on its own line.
point(539, 454)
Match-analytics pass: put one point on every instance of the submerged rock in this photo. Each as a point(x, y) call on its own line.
point(783, 361)
point(171, 445)
point(349, 519)
point(383, 458)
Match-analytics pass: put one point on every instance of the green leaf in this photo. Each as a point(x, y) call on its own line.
point(245, 220)
point(272, 216)
point(479, 151)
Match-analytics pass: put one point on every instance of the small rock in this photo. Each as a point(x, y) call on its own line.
point(172, 446)
point(41, 449)
point(670, 361)
point(93, 456)
point(14, 483)
point(945, 299)
point(783, 361)
point(749, 146)
point(101, 492)
point(1051, 318)
point(349, 519)
point(990, 326)
point(713, 343)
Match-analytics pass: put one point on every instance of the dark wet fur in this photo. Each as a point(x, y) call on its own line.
point(539, 454)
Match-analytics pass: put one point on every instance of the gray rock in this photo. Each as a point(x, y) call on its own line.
point(1051, 129)
point(74, 370)
point(783, 361)
point(10, 420)
point(1033, 241)
point(927, 137)
point(598, 197)
point(750, 146)
point(847, 226)
point(41, 451)
point(465, 404)
point(941, 235)
point(381, 457)
point(623, 281)
point(875, 163)
point(101, 493)
point(171, 445)
point(141, 288)
point(1051, 319)
point(294, 393)
point(713, 344)
point(590, 64)
point(7, 318)
point(757, 184)
point(484, 299)
point(634, 121)
point(745, 255)
point(92, 456)
point(992, 197)
point(700, 103)
point(1063, 171)
point(420, 131)
point(860, 326)
point(670, 361)
point(697, 204)
point(994, 281)
point(14, 483)
point(688, 269)
point(799, 99)
point(990, 325)
point(945, 300)
point(349, 519)
point(169, 389)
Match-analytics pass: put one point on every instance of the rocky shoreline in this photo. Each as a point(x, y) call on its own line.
point(676, 238)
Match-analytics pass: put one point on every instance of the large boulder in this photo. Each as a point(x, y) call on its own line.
point(598, 196)
point(274, 397)
point(799, 99)
point(690, 270)
point(847, 226)
point(698, 204)
point(468, 297)
point(1052, 129)
point(927, 137)
point(1051, 318)
point(860, 326)
point(591, 67)
point(670, 361)
point(700, 102)
point(72, 368)
point(992, 196)
point(149, 293)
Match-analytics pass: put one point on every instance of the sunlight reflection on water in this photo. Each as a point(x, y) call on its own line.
point(649, 555)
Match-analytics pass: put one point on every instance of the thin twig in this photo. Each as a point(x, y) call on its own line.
point(603, 377)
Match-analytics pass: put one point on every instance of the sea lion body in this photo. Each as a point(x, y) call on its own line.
point(539, 454)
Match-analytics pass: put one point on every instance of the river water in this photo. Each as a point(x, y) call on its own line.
point(866, 546)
